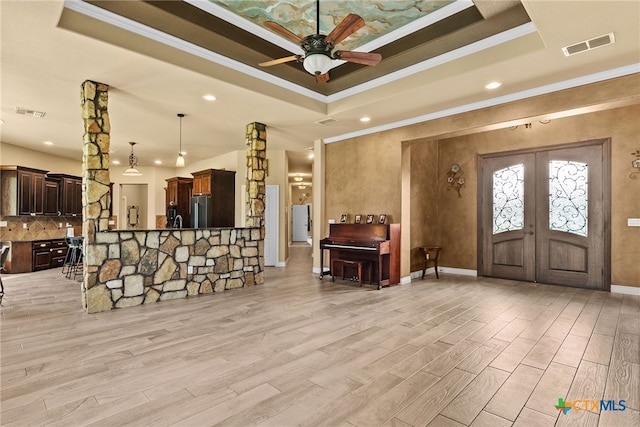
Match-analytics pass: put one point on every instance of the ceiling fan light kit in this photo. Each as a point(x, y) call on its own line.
point(318, 63)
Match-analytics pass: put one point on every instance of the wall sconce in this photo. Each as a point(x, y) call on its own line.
point(455, 179)
point(297, 178)
point(636, 164)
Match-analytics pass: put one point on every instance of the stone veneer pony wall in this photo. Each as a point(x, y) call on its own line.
point(142, 267)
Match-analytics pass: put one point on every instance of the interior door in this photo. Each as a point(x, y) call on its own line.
point(271, 225)
point(300, 222)
point(543, 214)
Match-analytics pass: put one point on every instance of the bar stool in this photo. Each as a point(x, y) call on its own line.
point(3, 258)
point(431, 254)
point(73, 261)
point(66, 266)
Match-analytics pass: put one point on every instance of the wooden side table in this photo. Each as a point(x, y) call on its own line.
point(431, 254)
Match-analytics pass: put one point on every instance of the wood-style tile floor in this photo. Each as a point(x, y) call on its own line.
point(300, 351)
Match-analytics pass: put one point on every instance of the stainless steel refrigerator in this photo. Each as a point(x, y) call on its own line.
point(201, 214)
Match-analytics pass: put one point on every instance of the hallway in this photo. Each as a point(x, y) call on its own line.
point(301, 351)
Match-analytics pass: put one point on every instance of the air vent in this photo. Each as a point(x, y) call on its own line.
point(28, 112)
point(589, 44)
point(326, 121)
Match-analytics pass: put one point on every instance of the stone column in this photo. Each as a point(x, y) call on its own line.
point(257, 170)
point(95, 191)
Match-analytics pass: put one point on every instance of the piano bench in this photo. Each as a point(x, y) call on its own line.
point(351, 263)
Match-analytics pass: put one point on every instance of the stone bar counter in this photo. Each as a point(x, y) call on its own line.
point(130, 268)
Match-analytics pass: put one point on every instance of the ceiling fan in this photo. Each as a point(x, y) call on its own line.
point(318, 49)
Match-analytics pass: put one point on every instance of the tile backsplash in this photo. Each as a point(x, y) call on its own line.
point(38, 227)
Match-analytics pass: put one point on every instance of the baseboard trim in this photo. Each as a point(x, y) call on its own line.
point(451, 270)
point(627, 290)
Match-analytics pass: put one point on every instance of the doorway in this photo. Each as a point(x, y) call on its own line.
point(542, 215)
point(133, 206)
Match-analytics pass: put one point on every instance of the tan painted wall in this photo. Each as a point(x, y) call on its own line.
point(363, 177)
point(579, 114)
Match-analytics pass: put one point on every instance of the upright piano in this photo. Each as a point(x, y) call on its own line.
point(377, 243)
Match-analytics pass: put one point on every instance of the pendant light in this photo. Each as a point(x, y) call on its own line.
point(133, 162)
point(180, 159)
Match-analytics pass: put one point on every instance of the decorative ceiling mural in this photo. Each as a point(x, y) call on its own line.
point(299, 16)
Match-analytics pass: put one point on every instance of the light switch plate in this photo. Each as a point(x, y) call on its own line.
point(633, 222)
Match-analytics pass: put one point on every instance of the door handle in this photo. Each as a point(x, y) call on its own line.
point(530, 233)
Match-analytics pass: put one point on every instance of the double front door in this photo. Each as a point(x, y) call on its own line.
point(543, 215)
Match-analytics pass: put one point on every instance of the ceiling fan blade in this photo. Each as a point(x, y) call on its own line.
point(358, 57)
point(279, 29)
point(279, 61)
point(322, 78)
point(349, 25)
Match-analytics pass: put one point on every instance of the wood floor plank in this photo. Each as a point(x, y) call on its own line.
point(511, 357)
point(419, 359)
point(469, 403)
point(627, 347)
point(543, 352)
point(482, 356)
point(487, 419)
point(529, 417)
point(385, 407)
point(571, 351)
point(599, 349)
point(622, 383)
point(589, 382)
point(429, 404)
point(514, 393)
point(555, 382)
point(626, 418)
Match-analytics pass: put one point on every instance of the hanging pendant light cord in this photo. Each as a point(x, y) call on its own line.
point(181, 116)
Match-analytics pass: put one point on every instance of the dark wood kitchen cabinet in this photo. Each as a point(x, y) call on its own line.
point(51, 193)
point(220, 184)
point(179, 192)
point(48, 254)
point(22, 190)
point(70, 194)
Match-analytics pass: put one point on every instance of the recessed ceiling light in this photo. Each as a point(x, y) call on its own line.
point(365, 119)
point(115, 162)
point(48, 143)
point(493, 85)
point(209, 97)
point(158, 162)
